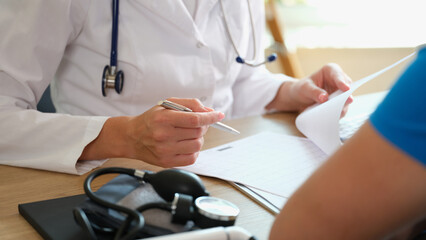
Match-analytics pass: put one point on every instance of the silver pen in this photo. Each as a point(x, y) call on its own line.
point(171, 105)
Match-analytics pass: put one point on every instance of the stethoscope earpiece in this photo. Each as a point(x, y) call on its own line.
point(240, 60)
point(270, 58)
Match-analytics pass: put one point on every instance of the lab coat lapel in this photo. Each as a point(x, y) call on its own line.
point(174, 11)
point(204, 7)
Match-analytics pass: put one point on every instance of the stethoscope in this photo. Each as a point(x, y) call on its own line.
point(114, 78)
point(111, 78)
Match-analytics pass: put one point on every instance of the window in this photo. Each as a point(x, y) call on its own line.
point(354, 23)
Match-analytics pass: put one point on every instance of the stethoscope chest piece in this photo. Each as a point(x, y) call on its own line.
point(112, 79)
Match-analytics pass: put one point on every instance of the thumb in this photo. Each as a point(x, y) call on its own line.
point(315, 93)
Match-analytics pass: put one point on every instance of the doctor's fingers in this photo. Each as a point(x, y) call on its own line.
point(346, 106)
point(177, 154)
point(175, 134)
point(311, 93)
point(149, 155)
point(195, 119)
point(192, 103)
point(333, 78)
point(179, 160)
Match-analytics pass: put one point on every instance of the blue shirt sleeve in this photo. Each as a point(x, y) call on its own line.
point(401, 117)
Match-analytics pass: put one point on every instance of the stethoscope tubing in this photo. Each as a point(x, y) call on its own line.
point(133, 215)
point(114, 37)
point(225, 19)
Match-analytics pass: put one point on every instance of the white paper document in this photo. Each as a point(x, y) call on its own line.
point(320, 122)
point(276, 163)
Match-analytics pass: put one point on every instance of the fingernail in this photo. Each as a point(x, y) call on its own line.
point(323, 97)
point(348, 86)
point(221, 115)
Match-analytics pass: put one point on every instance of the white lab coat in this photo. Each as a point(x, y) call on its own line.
point(162, 51)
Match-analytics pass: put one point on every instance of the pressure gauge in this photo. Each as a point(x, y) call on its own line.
point(213, 212)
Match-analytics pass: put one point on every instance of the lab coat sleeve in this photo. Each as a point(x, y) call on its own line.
point(34, 36)
point(255, 87)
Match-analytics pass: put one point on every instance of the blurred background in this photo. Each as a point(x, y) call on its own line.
point(362, 36)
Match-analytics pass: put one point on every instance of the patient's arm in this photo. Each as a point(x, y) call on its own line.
point(367, 190)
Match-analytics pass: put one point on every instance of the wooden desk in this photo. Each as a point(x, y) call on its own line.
point(20, 185)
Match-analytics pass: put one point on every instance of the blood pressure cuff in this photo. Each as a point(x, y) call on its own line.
point(127, 191)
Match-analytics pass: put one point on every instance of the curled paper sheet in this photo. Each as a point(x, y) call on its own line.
point(276, 163)
point(320, 122)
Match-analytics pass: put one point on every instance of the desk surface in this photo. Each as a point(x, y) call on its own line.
point(20, 185)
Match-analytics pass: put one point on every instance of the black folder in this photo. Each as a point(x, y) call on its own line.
point(53, 219)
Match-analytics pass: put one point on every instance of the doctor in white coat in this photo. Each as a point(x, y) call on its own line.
point(167, 48)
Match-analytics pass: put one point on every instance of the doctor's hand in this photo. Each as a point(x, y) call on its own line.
point(160, 136)
point(297, 95)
